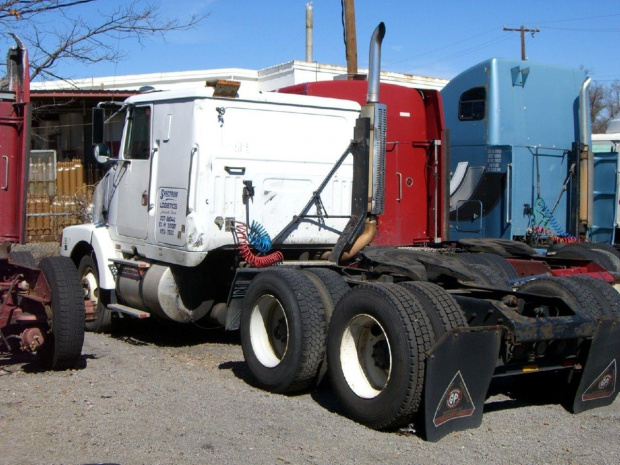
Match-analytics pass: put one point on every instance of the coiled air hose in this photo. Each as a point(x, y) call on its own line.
point(258, 238)
point(560, 235)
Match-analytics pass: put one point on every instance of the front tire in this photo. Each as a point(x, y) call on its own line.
point(63, 346)
point(376, 348)
point(283, 330)
point(89, 277)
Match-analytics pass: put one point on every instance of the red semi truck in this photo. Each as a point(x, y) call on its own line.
point(42, 308)
point(415, 197)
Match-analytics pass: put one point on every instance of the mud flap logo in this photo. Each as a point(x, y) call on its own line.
point(604, 385)
point(455, 403)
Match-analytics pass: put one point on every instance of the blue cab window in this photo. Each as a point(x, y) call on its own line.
point(472, 103)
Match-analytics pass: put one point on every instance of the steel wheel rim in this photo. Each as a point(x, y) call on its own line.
point(269, 331)
point(90, 286)
point(365, 356)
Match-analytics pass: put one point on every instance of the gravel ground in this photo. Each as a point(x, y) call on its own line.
point(152, 394)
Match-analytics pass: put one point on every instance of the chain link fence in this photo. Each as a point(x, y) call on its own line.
point(38, 250)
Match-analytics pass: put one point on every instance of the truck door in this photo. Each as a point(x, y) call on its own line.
point(132, 216)
point(173, 137)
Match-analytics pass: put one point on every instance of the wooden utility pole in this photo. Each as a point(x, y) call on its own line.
point(309, 32)
point(350, 37)
point(523, 30)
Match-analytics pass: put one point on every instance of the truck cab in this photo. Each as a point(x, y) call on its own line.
point(192, 163)
point(516, 131)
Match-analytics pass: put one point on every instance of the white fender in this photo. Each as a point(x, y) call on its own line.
point(98, 237)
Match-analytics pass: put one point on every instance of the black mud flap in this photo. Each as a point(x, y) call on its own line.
point(598, 386)
point(459, 369)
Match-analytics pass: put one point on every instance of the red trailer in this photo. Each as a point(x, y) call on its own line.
point(41, 309)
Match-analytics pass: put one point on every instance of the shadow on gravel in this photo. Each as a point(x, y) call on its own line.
point(9, 359)
point(504, 394)
point(29, 363)
point(240, 370)
point(324, 396)
point(170, 334)
point(528, 390)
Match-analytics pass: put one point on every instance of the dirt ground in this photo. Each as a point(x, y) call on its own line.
point(151, 394)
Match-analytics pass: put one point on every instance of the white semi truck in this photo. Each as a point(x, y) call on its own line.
point(179, 232)
point(193, 165)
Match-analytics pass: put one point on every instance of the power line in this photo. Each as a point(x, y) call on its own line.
point(458, 42)
point(576, 19)
point(459, 53)
point(579, 29)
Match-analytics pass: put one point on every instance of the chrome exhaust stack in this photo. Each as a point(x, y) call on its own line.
point(374, 64)
point(377, 113)
point(368, 149)
point(586, 164)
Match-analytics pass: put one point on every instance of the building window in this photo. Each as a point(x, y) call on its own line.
point(138, 143)
point(472, 103)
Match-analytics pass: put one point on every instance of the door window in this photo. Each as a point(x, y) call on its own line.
point(138, 142)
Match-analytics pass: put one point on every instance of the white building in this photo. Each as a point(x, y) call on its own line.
point(63, 109)
point(274, 77)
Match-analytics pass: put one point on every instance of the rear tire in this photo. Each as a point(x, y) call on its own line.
point(63, 346)
point(499, 264)
point(583, 301)
point(89, 277)
point(331, 286)
point(443, 311)
point(607, 257)
point(579, 298)
point(487, 276)
point(376, 349)
point(335, 284)
point(607, 296)
point(283, 330)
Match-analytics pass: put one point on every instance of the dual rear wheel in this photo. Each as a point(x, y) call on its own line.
point(376, 344)
point(283, 327)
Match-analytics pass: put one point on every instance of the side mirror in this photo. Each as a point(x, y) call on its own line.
point(102, 153)
point(98, 124)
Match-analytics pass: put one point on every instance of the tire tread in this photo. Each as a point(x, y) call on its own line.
point(583, 298)
point(63, 348)
point(313, 329)
point(610, 299)
point(440, 306)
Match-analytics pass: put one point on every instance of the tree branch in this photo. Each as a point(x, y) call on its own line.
point(56, 31)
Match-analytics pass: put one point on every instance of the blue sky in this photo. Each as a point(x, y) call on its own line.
point(431, 38)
